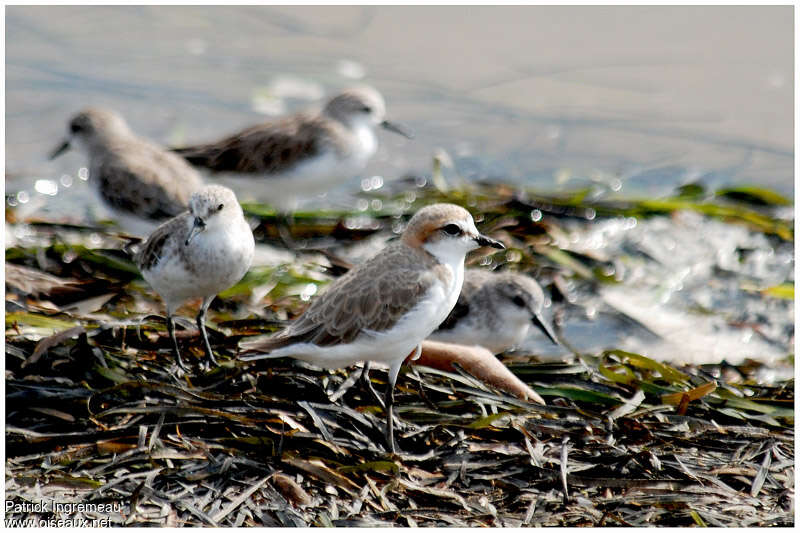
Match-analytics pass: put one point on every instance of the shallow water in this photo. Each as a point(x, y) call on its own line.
point(689, 291)
point(639, 98)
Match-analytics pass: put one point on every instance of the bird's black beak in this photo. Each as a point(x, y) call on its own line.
point(397, 129)
point(483, 240)
point(539, 322)
point(198, 226)
point(60, 149)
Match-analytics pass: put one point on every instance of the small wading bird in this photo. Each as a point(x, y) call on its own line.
point(140, 182)
point(300, 155)
point(495, 310)
point(384, 308)
point(198, 254)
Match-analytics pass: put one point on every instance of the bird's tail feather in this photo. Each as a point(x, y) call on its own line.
point(255, 349)
point(195, 155)
point(255, 356)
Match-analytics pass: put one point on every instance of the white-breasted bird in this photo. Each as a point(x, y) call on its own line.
point(140, 182)
point(495, 310)
point(300, 155)
point(198, 254)
point(384, 308)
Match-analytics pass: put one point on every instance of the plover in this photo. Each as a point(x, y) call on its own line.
point(198, 254)
point(142, 183)
point(300, 155)
point(495, 310)
point(382, 309)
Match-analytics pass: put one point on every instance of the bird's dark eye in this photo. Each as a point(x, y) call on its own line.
point(75, 127)
point(220, 206)
point(518, 301)
point(366, 109)
point(452, 229)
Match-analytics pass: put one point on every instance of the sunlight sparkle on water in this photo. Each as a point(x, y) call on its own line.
point(48, 187)
point(372, 184)
point(308, 291)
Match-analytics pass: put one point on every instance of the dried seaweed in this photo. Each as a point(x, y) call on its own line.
point(95, 413)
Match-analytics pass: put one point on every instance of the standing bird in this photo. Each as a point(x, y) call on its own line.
point(198, 254)
point(384, 308)
point(300, 155)
point(495, 310)
point(142, 183)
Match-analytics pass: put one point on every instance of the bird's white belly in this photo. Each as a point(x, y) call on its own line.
point(388, 346)
point(225, 258)
point(285, 190)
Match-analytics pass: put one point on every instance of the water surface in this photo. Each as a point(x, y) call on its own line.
point(638, 98)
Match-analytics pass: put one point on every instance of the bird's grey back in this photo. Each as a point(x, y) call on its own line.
point(170, 233)
point(371, 297)
point(269, 148)
point(492, 289)
point(139, 177)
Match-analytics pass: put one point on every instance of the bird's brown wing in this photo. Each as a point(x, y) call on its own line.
point(146, 181)
point(373, 297)
point(269, 148)
point(151, 251)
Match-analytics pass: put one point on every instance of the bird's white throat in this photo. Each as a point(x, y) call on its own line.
point(450, 251)
point(367, 142)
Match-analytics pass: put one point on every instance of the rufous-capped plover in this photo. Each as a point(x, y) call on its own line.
point(495, 310)
point(383, 309)
point(198, 254)
point(300, 155)
point(140, 182)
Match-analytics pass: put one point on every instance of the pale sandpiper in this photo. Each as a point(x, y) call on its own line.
point(495, 310)
point(301, 155)
point(198, 254)
point(139, 181)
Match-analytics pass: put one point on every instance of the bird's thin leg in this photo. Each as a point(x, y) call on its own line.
point(394, 370)
point(366, 384)
point(175, 350)
point(389, 415)
point(363, 381)
point(284, 223)
point(201, 325)
point(364, 376)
